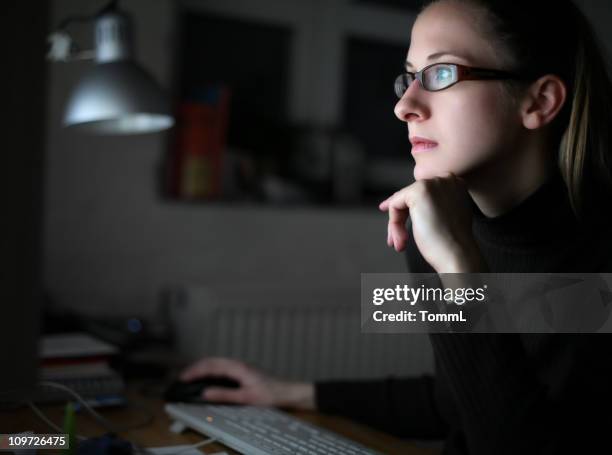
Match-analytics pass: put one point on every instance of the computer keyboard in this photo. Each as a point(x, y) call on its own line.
point(254, 430)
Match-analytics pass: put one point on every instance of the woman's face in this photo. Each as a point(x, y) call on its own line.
point(473, 122)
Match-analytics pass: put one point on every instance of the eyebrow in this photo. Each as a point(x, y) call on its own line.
point(437, 55)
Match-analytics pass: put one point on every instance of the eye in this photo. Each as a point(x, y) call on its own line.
point(440, 76)
point(443, 74)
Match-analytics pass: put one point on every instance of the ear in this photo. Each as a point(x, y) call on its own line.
point(543, 101)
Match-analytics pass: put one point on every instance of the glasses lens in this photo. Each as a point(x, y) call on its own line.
point(402, 82)
point(439, 77)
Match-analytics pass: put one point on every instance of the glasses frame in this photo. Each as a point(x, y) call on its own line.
point(464, 73)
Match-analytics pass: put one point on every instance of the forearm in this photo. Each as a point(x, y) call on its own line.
point(401, 406)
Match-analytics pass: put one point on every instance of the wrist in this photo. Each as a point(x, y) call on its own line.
point(466, 260)
point(296, 395)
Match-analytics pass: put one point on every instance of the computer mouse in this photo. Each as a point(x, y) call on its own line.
point(191, 392)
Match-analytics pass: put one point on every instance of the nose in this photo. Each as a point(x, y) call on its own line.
point(412, 105)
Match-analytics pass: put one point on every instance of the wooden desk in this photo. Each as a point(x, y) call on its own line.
point(156, 433)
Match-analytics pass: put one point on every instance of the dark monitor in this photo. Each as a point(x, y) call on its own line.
point(19, 327)
point(22, 86)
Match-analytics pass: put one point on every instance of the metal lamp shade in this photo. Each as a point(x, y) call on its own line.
point(118, 97)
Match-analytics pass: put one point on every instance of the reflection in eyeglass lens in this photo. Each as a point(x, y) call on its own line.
point(439, 76)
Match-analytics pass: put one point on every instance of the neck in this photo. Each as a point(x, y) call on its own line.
point(503, 185)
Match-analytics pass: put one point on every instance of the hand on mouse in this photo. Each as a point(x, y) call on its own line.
point(256, 388)
point(441, 223)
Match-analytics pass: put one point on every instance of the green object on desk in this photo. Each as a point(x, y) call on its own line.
point(69, 429)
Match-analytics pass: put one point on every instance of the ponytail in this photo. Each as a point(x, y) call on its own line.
point(585, 155)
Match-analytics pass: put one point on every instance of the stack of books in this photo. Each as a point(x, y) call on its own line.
point(82, 363)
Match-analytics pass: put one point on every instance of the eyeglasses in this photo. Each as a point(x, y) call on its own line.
point(440, 76)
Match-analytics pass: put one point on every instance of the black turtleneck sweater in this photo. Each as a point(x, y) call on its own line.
point(504, 393)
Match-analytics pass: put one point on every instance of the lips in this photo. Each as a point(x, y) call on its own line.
point(420, 144)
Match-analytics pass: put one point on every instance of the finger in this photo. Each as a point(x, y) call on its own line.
point(384, 205)
point(216, 366)
point(193, 371)
point(389, 237)
point(224, 394)
point(398, 215)
point(398, 207)
point(400, 236)
point(401, 199)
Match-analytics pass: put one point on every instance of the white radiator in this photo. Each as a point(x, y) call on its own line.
point(304, 334)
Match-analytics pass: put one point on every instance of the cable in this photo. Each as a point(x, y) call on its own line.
point(195, 446)
point(72, 19)
point(106, 424)
point(45, 419)
point(111, 6)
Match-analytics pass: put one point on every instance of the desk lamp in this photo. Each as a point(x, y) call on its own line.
point(116, 96)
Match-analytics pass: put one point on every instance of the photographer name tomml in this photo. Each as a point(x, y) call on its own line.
point(422, 316)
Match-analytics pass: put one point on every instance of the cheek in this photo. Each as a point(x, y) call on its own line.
point(473, 128)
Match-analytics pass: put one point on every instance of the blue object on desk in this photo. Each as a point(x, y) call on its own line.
point(102, 401)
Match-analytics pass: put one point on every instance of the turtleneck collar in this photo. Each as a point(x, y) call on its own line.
point(543, 216)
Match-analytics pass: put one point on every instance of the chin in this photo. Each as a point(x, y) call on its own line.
point(424, 173)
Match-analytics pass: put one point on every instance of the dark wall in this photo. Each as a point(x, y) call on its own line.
point(371, 68)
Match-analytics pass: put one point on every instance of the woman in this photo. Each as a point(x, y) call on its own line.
point(513, 169)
